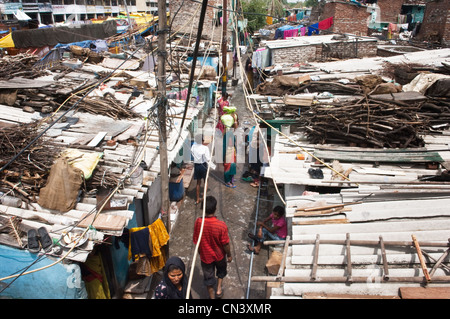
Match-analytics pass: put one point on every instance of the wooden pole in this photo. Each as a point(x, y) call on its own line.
point(161, 81)
point(422, 261)
point(224, 46)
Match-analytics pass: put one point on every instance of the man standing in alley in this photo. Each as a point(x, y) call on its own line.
point(214, 248)
point(201, 154)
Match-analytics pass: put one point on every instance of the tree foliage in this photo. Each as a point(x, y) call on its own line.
point(255, 12)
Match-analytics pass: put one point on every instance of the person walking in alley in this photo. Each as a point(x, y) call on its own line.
point(231, 122)
point(201, 155)
point(221, 103)
point(175, 282)
point(214, 248)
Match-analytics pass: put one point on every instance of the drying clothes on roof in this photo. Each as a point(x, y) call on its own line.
point(303, 31)
point(314, 28)
point(326, 24)
point(280, 31)
point(290, 33)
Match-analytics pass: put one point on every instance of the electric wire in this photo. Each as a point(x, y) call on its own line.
point(139, 154)
point(194, 258)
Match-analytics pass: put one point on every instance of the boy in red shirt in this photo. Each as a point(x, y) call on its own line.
point(214, 245)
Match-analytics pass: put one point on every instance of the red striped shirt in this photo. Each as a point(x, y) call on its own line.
point(214, 237)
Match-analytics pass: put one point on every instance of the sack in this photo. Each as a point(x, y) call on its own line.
point(62, 187)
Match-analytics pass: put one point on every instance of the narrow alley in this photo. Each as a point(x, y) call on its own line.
point(237, 208)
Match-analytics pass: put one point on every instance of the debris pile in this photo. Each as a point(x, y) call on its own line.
point(365, 111)
point(20, 65)
point(374, 123)
point(26, 175)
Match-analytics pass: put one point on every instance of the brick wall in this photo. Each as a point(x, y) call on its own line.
point(348, 18)
point(389, 10)
point(436, 22)
point(320, 52)
point(294, 54)
point(188, 16)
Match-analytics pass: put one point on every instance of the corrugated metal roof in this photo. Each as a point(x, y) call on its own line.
point(335, 244)
point(135, 139)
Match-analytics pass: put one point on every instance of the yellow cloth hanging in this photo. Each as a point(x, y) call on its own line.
point(159, 237)
point(269, 20)
point(7, 42)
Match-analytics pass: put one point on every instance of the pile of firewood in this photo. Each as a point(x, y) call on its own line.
point(107, 106)
point(29, 171)
point(25, 175)
point(375, 123)
point(20, 65)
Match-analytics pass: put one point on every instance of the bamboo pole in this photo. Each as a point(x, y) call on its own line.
point(344, 279)
point(421, 259)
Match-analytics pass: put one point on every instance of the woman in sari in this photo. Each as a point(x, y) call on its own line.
point(222, 103)
point(230, 122)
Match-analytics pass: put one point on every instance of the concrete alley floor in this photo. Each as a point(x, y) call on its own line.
point(237, 208)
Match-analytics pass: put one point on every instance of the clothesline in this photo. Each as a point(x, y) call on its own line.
point(289, 31)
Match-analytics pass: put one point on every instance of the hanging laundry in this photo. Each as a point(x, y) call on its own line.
point(326, 24)
point(269, 20)
point(265, 58)
point(279, 33)
point(145, 246)
point(260, 58)
point(140, 243)
point(290, 33)
point(302, 31)
point(300, 15)
point(314, 28)
point(160, 237)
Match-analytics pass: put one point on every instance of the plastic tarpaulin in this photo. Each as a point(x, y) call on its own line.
point(7, 42)
point(37, 38)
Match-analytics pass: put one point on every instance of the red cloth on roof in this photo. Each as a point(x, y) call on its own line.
point(326, 24)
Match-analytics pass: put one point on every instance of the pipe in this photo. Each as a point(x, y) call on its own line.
point(254, 231)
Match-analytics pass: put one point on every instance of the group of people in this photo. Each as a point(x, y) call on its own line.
point(228, 122)
point(214, 246)
point(215, 252)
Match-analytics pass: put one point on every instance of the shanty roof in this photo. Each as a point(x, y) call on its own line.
point(117, 139)
point(384, 231)
point(315, 40)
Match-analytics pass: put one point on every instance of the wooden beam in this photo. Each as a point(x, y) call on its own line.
point(349, 258)
point(425, 292)
point(343, 279)
point(283, 259)
point(356, 242)
point(421, 259)
point(439, 262)
point(385, 263)
point(316, 257)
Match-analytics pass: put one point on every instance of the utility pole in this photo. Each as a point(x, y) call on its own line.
point(224, 47)
point(161, 80)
